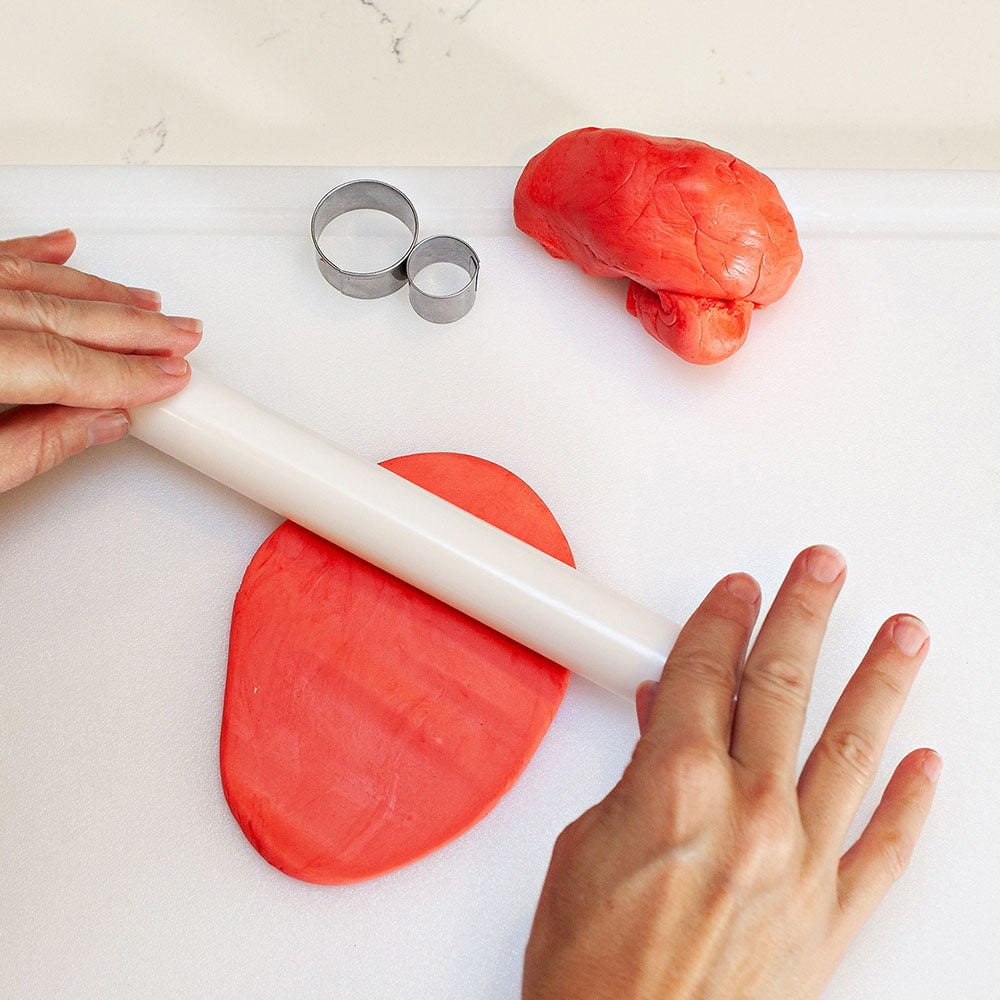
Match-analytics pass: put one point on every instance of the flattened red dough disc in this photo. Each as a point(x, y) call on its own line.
point(366, 724)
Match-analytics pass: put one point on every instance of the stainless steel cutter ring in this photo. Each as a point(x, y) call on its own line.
point(449, 250)
point(347, 198)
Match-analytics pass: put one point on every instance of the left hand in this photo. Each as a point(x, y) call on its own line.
point(75, 352)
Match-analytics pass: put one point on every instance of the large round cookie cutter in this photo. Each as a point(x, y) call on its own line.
point(383, 197)
point(349, 197)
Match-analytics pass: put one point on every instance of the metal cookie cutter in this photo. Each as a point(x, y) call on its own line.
point(448, 250)
point(347, 198)
point(371, 194)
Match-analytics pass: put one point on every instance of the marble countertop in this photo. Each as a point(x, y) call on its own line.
point(891, 84)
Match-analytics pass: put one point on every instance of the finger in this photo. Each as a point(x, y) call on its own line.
point(24, 274)
point(775, 686)
point(843, 764)
point(644, 695)
point(104, 325)
point(33, 439)
point(693, 701)
point(42, 368)
point(883, 851)
point(52, 248)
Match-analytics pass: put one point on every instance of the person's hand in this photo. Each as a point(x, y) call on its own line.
point(710, 871)
point(75, 352)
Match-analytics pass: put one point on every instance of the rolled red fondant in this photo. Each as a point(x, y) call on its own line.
point(365, 723)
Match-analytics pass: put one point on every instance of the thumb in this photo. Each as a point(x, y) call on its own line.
point(33, 439)
point(52, 248)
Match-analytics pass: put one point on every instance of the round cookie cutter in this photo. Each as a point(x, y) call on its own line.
point(442, 250)
point(349, 197)
point(383, 197)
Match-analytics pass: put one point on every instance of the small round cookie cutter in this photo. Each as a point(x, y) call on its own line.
point(442, 250)
point(383, 197)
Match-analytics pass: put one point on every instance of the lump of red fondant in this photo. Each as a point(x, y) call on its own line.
point(704, 237)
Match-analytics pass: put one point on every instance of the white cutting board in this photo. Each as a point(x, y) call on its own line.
point(861, 412)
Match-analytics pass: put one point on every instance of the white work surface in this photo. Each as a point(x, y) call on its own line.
point(861, 412)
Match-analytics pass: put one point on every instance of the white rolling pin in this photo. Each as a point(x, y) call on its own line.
point(411, 533)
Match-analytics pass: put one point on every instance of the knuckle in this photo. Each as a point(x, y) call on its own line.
point(892, 682)
point(132, 315)
point(804, 609)
point(780, 679)
point(50, 449)
point(853, 753)
point(48, 311)
point(122, 377)
point(15, 272)
point(705, 668)
point(679, 791)
point(91, 288)
point(687, 768)
point(62, 357)
point(95, 288)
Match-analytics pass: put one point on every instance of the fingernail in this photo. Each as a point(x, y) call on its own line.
point(742, 586)
point(909, 634)
point(931, 765)
point(173, 365)
point(824, 563)
point(187, 323)
point(56, 232)
point(146, 298)
point(106, 428)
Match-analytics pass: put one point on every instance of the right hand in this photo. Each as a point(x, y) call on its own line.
point(75, 352)
point(711, 871)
